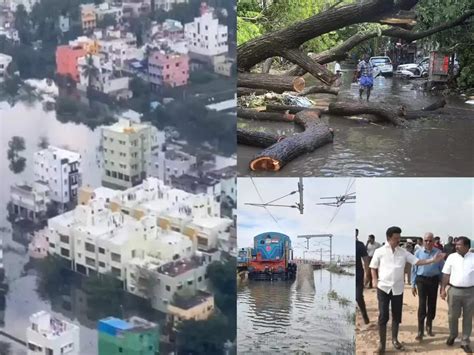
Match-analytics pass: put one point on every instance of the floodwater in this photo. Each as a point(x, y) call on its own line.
point(428, 147)
point(275, 317)
point(31, 122)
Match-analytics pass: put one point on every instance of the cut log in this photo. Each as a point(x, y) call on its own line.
point(276, 83)
point(256, 138)
point(284, 108)
point(249, 91)
point(319, 89)
point(385, 112)
point(264, 116)
point(316, 134)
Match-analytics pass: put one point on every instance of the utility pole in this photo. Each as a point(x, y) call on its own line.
point(300, 190)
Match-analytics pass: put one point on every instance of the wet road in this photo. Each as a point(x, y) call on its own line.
point(429, 147)
point(276, 317)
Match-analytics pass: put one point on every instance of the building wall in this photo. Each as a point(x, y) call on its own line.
point(66, 61)
point(132, 343)
point(170, 69)
point(206, 37)
point(88, 17)
point(201, 311)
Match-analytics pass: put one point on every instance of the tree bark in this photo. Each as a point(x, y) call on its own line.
point(284, 108)
point(264, 116)
point(275, 43)
point(319, 89)
point(435, 105)
point(267, 65)
point(249, 91)
point(340, 52)
point(386, 113)
point(276, 83)
point(256, 138)
point(315, 135)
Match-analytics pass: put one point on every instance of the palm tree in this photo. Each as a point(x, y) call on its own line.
point(90, 71)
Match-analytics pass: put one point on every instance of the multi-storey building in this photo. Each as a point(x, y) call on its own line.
point(47, 334)
point(197, 307)
point(66, 60)
point(206, 36)
point(135, 336)
point(88, 17)
point(30, 202)
point(99, 74)
point(127, 148)
point(60, 169)
point(168, 68)
point(167, 5)
point(171, 162)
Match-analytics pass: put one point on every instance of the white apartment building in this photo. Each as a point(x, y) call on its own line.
point(49, 335)
point(61, 170)
point(105, 9)
point(127, 149)
point(171, 162)
point(103, 77)
point(167, 5)
point(228, 181)
point(30, 201)
point(206, 36)
point(5, 61)
point(28, 4)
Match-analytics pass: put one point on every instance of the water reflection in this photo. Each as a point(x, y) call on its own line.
point(278, 318)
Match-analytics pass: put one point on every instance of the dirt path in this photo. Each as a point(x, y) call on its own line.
point(367, 337)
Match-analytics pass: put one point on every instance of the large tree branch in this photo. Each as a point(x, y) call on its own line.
point(340, 52)
point(274, 43)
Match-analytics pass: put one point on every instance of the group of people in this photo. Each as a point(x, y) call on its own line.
point(433, 267)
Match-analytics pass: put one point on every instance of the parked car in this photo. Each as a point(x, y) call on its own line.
point(414, 70)
point(382, 65)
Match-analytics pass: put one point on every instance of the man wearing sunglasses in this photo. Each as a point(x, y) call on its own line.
point(425, 280)
point(388, 266)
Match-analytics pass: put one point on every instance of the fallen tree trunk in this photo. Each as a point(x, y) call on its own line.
point(340, 52)
point(319, 89)
point(276, 83)
point(276, 43)
point(394, 115)
point(435, 105)
point(284, 108)
point(315, 135)
point(256, 138)
point(264, 116)
point(249, 91)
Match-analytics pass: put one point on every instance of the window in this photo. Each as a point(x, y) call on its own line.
point(190, 282)
point(90, 261)
point(116, 271)
point(168, 288)
point(65, 252)
point(102, 250)
point(101, 264)
point(64, 238)
point(199, 278)
point(115, 257)
point(90, 247)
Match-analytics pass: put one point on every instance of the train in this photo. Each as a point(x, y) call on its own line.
point(243, 258)
point(271, 258)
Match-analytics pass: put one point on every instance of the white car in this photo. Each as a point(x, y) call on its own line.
point(414, 70)
point(382, 65)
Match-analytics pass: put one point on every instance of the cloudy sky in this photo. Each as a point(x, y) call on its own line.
point(417, 205)
point(315, 220)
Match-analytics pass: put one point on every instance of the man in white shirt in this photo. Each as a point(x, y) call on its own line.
point(458, 273)
point(387, 267)
point(371, 246)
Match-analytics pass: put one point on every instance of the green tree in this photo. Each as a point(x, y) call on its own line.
point(107, 21)
point(90, 71)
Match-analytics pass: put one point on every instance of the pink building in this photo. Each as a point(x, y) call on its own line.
point(66, 60)
point(168, 68)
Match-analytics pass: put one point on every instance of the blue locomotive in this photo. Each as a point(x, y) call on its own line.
point(272, 258)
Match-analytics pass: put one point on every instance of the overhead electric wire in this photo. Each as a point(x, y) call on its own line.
point(261, 199)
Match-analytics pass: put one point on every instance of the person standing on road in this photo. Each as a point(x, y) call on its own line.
point(364, 72)
point(425, 281)
point(411, 249)
point(419, 244)
point(437, 243)
point(387, 266)
point(458, 273)
point(371, 246)
point(361, 256)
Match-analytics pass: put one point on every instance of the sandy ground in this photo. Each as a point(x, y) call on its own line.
point(367, 336)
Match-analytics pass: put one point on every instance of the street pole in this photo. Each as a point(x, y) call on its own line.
point(300, 189)
point(330, 249)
